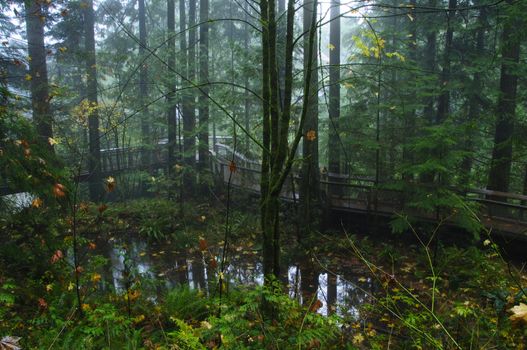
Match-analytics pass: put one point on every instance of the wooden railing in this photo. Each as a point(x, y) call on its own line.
point(341, 192)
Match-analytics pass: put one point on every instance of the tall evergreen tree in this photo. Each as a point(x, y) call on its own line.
point(35, 19)
point(500, 169)
point(143, 77)
point(334, 89)
point(94, 162)
point(310, 185)
point(171, 98)
point(204, 80)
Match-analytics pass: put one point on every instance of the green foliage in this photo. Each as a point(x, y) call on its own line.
point(242, 327)
point(186, 304)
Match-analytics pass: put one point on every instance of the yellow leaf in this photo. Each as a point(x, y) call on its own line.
point(49, 287)
point(63, 49)
point(52, 141)
point(28, 77)
point(331, 47)
point(519, 313)
point(37, 203)
point(358, 339)
point(95, 277)
point(71, 286)
point(110, 183)
point(139, 319)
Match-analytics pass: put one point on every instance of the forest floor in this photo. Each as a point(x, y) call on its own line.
point(154, 275)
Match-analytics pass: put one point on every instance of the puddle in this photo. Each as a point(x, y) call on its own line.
point(340, 291)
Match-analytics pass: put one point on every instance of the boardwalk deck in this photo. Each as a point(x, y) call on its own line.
point(504, 212)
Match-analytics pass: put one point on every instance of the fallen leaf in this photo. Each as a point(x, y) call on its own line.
point(10, 343)
point(519, 313)
point(102, 208)
point(42, 303)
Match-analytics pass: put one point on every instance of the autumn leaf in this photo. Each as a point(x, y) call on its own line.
point(56, 256)
point(52, 141)
point(316, 306)
point(139, 319)
point(28, 77)
point(331, 47)
point(10, 343)
point(102, 208)
point(311, 135)
point(92, 246)
point(59, 190)
point(519, 313)
point(110, 183)
point(83, 206)
point(37, 203)
point(178, 167)
point(42, 303)
point(63, 49)
point(232, 167)
point(202, 244)
point(213, 263)
point(95, 278)
point(358, 339)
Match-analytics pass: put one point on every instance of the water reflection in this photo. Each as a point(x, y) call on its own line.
point(338, 291)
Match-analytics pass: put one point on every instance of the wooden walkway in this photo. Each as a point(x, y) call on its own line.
point(505, 212)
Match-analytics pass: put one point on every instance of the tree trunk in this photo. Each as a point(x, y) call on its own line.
point(171, 61)
point(309, 189)
point(246, 98)
point(499, 176)
point(443, 103)
point(409, 120)
point(204, 79)
point(95, 184)
point(143, 82)
point(474, 106)
point(42, 118)
point(188, 56)
point(334, 88)
point(430, 62)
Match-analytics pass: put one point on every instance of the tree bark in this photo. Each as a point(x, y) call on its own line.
point(334, 88)
point(143, 81)
point(94, 164)
point(443, 103)
point(499, 176)
point(430, 62)
point(474, 106)
point(42, 117)
point(171, 98)
point(204, 79)
point(309, 189)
